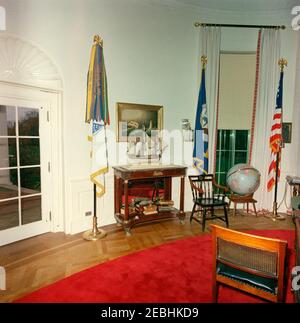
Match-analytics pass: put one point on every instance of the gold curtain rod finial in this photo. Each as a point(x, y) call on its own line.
point(199, 24)
point(98, 40)
point(282, 63)
point(203, 61)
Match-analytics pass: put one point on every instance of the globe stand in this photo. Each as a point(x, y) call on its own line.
point(243, 180)
point(244, 199)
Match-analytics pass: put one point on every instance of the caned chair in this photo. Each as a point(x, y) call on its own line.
point(249, 263)
point(208, 197)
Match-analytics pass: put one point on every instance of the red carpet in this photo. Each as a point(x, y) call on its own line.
point(177, 272)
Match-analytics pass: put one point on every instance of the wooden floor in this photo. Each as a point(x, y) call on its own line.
point(42, 260)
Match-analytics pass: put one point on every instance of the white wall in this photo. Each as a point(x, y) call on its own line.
point(151, 57)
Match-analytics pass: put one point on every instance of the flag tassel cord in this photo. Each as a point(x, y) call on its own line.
point(282, 63)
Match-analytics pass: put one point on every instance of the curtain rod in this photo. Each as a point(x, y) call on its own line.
point(198, 24)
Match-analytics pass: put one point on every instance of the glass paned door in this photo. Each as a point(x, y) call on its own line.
point(21, 195)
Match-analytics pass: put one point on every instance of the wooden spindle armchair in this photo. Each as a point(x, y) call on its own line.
point(208, 197)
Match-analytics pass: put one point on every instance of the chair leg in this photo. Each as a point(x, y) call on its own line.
point(226, 216)
point(203, 219)
point(254, 209)
point(193, 211)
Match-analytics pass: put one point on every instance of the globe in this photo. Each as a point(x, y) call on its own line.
point(243, 179)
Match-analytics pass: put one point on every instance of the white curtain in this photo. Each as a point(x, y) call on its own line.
point(295, 147)
point(209, 45)
point(268, 85)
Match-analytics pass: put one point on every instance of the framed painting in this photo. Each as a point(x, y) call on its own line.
point(287, 132)
point(138, 122)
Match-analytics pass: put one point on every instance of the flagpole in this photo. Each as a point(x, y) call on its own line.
point(282, 63)
point(276, 184)
point(95, 233)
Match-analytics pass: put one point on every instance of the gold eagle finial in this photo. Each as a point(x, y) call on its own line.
point(98, 40)
point(282, 63)
point(203, 61)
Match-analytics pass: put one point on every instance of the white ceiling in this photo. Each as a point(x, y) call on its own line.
point(243, 5)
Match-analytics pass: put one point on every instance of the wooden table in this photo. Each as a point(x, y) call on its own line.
point(123, 175)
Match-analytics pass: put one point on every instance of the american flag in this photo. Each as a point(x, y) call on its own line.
point(276, 138)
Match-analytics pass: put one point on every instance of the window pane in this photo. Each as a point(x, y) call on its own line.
point(222, 179)
point(230, 142)
point(231, 139)
point(218, 160)
point(241, 140)
point(8, 183)
point(7, 121)
point(217, 177)
point(225, 161)
point(29, 151)
point(8, 152)
point(28, 122)
point(240, 157)
point(30, 181)
point(31, 210)
point(9, 214)
point(225, 139)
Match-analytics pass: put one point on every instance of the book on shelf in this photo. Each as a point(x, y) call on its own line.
point(150, 212)
point(131, 210)
point(165, 202)
point(142, 201)
point(166, 209)
point(146, 208)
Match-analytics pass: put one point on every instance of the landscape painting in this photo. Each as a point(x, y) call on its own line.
point(137, 121)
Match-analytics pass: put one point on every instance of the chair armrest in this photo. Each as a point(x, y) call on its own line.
point(224, 188)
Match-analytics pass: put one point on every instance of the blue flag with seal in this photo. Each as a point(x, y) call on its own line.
point(200, 153)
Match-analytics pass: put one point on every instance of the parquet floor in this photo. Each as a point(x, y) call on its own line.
point(33, 263)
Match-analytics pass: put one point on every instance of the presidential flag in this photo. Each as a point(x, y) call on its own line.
point(200, 153)
point(276, 138)
point(97, 115)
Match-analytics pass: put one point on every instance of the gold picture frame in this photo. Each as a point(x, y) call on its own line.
point(287, 132)
point(132, 120)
